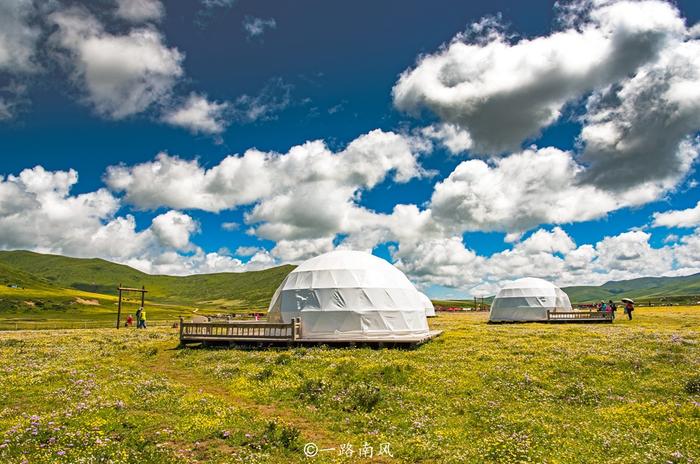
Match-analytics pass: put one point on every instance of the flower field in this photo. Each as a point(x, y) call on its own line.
point(625, 393)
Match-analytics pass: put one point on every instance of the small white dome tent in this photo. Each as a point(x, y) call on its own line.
point(428, 305)
point(528, 299)
point(350, 295)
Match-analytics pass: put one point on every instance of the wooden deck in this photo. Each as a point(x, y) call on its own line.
point(408, 341)
point(252, 331)
point(583, 317)
point(569, 317)
point(269, 333)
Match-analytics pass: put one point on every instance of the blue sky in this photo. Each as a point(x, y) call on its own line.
point(326, 71)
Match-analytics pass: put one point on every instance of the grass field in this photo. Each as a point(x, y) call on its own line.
point(625, 393)
point(67, 308)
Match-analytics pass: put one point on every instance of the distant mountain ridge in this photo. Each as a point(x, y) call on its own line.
point(641, 288)
point(251, 289)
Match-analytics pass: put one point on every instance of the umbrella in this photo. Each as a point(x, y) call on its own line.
point(627, 300)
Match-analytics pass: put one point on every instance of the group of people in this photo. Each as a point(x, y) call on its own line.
point(611, 307)
point(140, 319)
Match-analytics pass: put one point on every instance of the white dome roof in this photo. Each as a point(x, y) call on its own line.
point(349, 269)
point(342, 259)
point(350, 295)
point(529, 282)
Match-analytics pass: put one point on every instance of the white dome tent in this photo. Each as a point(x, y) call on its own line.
point(350, 295)
point(428, 305)
point(528, 299)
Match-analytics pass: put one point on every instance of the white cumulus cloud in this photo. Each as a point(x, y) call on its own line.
point(455, 139)
point(636, 66)
point(18, 37)
point(504, 92)
point(308, 192)
point(689, 217)
point(524, 190)
point(173, 229)
point(121, 74)
point(199, 115)
point(549, 254)
point(138, 11)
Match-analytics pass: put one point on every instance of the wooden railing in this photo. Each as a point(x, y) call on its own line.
point(270, 331)
point(559, 315)
point(77, 324)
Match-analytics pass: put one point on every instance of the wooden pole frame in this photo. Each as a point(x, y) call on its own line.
point(121, 290)
point(119, 305)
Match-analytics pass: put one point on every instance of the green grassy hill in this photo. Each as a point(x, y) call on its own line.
point(225, 290)
point(13, 277)
point(645, 288)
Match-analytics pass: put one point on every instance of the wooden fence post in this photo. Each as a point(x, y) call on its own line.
point(119, 306)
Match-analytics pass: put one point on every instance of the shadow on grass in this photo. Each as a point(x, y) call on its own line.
point(268, 346)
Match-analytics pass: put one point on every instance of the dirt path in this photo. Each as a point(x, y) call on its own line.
point(315, 431)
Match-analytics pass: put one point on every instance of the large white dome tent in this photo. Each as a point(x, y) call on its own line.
point(350, 295)
point(528, 299)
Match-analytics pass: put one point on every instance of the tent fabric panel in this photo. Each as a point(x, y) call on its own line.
point(547, 302)
point(515, 292)
point(274, 312)
point(363, 324)
point(347, 278)
point(518, 314)
point(292, 302)
point(428, 305)
point(563, 302)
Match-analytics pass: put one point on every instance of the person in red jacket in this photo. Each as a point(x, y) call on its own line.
point(129, 321)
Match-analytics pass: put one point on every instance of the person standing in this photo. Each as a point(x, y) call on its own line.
point(139, 312)
point(612, 307)
point(129, 321)
point(143, 318)
point(629, 307)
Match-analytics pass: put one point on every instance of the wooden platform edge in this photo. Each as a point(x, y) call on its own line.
point(579, 321)
point(276, 341)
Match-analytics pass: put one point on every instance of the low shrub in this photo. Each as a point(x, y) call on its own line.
point(264, 374)
point(364, 396)
point(275, 435)
point(312, 390)
point(692, 386)
point(282, 435)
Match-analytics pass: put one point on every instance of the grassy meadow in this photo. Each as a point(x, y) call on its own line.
point(624, 393)
point(38, 307)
